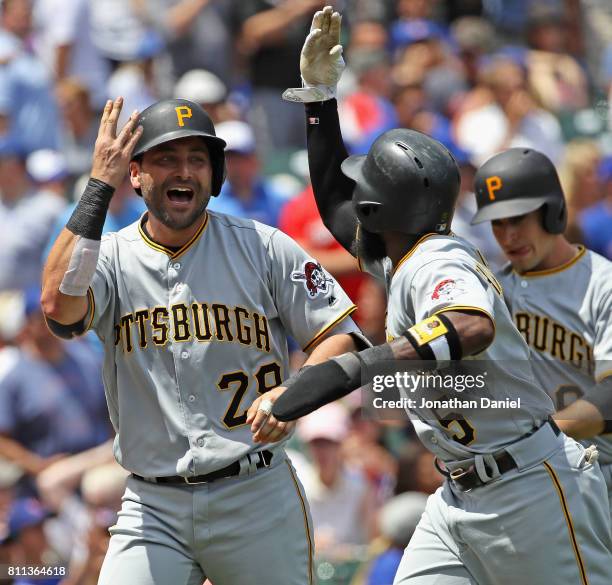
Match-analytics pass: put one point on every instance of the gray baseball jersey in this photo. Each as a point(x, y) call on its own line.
point(193, 336)
point(553, 503)
point(444, 273)
point(565, 316)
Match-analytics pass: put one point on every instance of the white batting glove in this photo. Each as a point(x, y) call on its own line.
point(321, 62)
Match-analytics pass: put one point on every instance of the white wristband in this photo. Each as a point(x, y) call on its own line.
point(81, 268)
point(319, 93)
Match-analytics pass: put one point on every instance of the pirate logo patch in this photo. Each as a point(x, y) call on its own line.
point(447, 290)
point(315, 279)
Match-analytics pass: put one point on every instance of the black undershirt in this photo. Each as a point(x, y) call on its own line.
point(332, 189)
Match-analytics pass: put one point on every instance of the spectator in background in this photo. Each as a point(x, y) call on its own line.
point(79, 125)
point(579, 176)
point(341, 503)
point(48, 171)
point(364, 448)
point(84, 517)
point(37, 427)
point(417, 471)
point(245, 193)
point(397, 521)
point(596, 221)
point(556, 78)
point(502, 113)
point(205, 88)
point(10, 474)
point(367, 112)
point(29, 546)
point(606, 77)
point(368, 34)
point(63, 42)
point(136, 82)
point(28, 112)
point(270, 36)
point(418, 46)
point(415, 10)
point(197, 34)
point(122, 32)
point(475, 38)
point(26, 219)
point(102, 489)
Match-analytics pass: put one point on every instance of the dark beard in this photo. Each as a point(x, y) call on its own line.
point(153, 202)
point(369, 246)
point(175, 224)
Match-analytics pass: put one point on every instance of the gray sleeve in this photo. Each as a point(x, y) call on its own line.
point(309, 301)
point(451, 284)
point(101, 293)
point(602, 344)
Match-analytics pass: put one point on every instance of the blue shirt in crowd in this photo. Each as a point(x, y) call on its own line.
point(52, 409)
point(264, 205)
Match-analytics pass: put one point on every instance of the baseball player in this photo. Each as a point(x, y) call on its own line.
point(193, 309)
point(560, 295)
point(522, 503)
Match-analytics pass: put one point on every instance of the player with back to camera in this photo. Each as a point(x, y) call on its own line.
point(522, 502)
point(193, 308)
point(559, 294)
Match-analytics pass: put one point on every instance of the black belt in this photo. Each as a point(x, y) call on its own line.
point(263, 459)
point(468, 478)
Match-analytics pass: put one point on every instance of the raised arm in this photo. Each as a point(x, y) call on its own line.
point(321, 66)
point(332, 189)
point(71, 264)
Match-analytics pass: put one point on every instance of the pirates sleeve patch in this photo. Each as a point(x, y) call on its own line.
point(314, 278)
point(447, 290)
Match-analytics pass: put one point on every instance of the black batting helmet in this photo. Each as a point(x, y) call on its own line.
point(176, 118)
point(408, 182)
point(519, 181)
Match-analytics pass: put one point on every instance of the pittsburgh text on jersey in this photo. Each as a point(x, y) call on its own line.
point(547, 336)
point(201, 322)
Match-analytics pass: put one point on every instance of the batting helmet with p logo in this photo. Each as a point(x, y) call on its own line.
point(519, 181)
point(176, 118)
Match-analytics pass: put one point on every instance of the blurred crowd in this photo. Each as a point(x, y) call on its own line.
point(478, 75)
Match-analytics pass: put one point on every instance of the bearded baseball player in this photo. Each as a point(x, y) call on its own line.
point(560, 295)
point(522, 502)
point(193, 309)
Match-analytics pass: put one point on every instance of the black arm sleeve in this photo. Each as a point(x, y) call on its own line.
point(333, 191)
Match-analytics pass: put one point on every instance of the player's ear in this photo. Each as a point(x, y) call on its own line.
point(134, 170)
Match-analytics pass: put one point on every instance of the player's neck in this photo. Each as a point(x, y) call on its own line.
point(165, 236)
point(561, 253)
point(397, 245)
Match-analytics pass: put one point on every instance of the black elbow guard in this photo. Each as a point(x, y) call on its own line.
point(66, 331)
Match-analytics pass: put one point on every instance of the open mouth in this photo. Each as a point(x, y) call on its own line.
point(180, 195)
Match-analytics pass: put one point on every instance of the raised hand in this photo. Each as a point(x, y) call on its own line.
point(112, 151)
point(321, 61)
